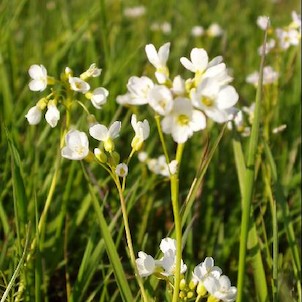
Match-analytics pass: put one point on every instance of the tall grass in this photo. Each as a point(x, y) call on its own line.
point(62, 232)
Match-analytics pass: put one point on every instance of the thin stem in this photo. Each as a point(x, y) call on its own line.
point(161, 136)
point(177, 222)
point(128, 237)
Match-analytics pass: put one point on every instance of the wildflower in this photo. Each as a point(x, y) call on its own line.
point(159, 60)
point(146, 264)
point(142, 156)
point(205, 270)
point(166, 27)
point(279, 129)
point(100, 155)
point(168, 244)
point(139, 89)
point(197, 31)
point(98, 97)
point(134, 12)
point(288, 37)
point(296, 21)
point(38, 73)
point(125, 99)
point(263, 22)
point(183, 121)
point(78, 84)
point(52, 115)
point(221, 288)
point(168, 263)
point(159, 166)
point(178, 86)
point(142, 131)
point(92, 71)
point(34, 115)
point(250, 112)
point(76, 145)
point(161, 99)
point(269, 45)
point(102, 133)
point(121, 170)
point(269, 76)
point(214, 30)
point(214, 100)
point(199, 60)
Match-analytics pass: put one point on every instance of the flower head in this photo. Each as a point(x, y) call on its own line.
point(77, 145)
point(52, 114)
point(139, 88)
point(78, 84)
point(206, 269)
point(159, 60)
point(121, 170)
point(38, 73)
point(34, 115)
point(161, 99)
point(98, 97)
point(145, 264)
point(142, 131)
point(102, 133)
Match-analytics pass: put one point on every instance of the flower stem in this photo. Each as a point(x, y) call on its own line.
point(128, 238)
point(177, 222)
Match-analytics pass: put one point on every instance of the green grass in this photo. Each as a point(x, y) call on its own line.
point(79, 252)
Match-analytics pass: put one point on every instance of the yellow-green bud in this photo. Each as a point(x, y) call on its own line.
point(182, 295)
point(192, 284)
point(42, 103)
point(100, 155)
point(109, 145)
point(91, 120)
point(212, 299)
point(115, 158)
point(190, 294)
point(136, 143)
point(182, 284)
point(201, 290)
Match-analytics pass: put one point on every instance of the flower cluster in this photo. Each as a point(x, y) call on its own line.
point(207, 280)
point(183, 105)
point(280, 39)
point(62, 92)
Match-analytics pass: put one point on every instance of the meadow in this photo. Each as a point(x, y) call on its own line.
point(205, 167)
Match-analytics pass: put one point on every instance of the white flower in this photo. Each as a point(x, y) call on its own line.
point(205, 270)
point(166, 27)
point(125, 99)
point(168, 262)
point(38, 73)
point(269, 76)
point(103, 134)
point(34, 115)
point(178, 86)
point(121, 170)
point(78, 84)
point(269, 45)
point(214, 100)
point(139, 89)
point(159, 166)
point(221, 288)
point(168, 244)
point(134, 12)
point(99, 97)
point(199, 60)
point(160, 99)
point(296, 23)
point(287, 38)
point(142, 131)
point(77, 146)
point(145, 264)
point(214, 30)
point(52, 114)
point(159, 60)
point(250, 112)
point(142, 156)
point(183, 121)
point(197, 31)
point(92, 71)
point(263, 22)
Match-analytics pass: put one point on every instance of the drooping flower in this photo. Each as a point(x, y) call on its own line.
point(77, 84)
point(38, 73)
point(52, 114)
point(103, 134)
point(34, 115)
point(98, 97)
point(92, 71)
point(146, 264)
point(142, 131)
point(159, 60)
point(77, 145)
point(183, 120)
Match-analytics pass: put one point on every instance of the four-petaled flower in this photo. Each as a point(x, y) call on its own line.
point(77, 145)
point(38, 73)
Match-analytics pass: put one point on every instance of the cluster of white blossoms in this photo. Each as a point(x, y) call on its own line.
point(159, 165)
point(77, 144)
point(270, 76)
point(280, 38)
point(60, 88)
point(207, 280)
point(184, 104)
